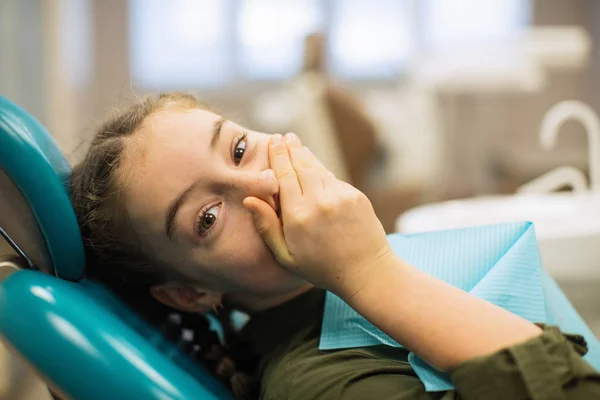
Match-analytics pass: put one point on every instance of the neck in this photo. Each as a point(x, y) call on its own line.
point(253, 303)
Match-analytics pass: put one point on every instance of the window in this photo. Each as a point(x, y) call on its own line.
point(271, 35)
point(370, 38)
point(454, 23)
point(179, 43)
point(216, 43)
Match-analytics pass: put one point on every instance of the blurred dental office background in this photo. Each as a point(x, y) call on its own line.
point(439, 110)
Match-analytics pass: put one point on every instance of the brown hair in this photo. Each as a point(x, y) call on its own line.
point(112, 250)
point(114, 256)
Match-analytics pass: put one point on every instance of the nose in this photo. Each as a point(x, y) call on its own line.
point(260, 184)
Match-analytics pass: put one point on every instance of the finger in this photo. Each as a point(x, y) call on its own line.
point(327, 177)
point(281, 164)
point(269, 227)
point(306, 170)
point(316, 162)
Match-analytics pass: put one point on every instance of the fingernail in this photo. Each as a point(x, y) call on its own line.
point(276, 138)
point(291, 138)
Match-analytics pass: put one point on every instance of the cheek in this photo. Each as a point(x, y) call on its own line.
point(242, 245)
point(242, 263)
point(240, 249)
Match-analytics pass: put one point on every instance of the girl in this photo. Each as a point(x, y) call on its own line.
point(195, 209)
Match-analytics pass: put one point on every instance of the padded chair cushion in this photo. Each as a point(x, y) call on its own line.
point(87, 344)
point(34, 163)
point(78, 336)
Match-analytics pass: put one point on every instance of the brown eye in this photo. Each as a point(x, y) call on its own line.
point(208, 219)
point(239, 150)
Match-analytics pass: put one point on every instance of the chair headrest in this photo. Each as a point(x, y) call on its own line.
point(35, 210)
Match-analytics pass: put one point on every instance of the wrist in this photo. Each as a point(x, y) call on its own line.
point(370, 275)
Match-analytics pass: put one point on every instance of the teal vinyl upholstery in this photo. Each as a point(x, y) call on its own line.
point(81, 338)
point(34, 162)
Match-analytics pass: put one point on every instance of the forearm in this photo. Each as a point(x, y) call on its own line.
point(443, 325)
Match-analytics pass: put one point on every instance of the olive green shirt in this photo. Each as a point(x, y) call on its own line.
point(293, 368)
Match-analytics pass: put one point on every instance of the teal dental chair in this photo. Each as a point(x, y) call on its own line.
point(82, 340)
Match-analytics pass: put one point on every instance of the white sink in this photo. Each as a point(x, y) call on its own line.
point(567, 225)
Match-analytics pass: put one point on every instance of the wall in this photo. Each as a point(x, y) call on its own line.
point(71, 110)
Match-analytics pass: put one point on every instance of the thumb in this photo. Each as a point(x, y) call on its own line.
point(269, 227)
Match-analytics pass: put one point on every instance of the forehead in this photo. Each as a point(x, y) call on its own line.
point(174, 126)
point(166, 133)
point(170, 150)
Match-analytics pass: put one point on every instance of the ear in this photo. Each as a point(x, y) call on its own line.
point(186, 298)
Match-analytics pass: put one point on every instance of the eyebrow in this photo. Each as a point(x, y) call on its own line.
point(179, 200)
point(216, 131)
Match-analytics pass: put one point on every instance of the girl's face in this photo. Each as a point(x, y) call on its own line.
point(185, 174)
